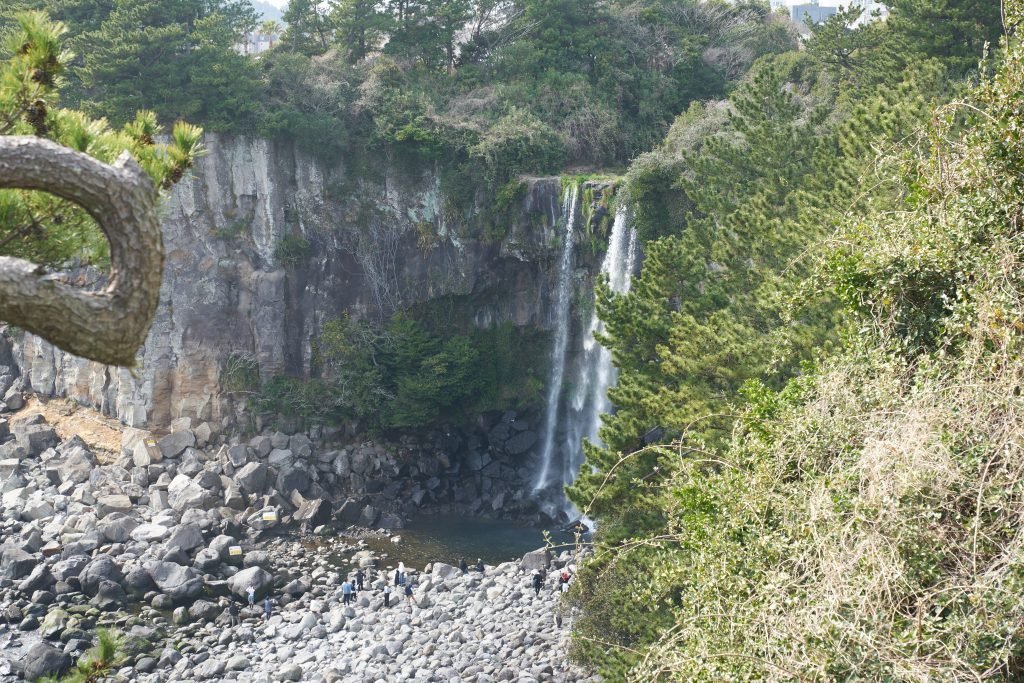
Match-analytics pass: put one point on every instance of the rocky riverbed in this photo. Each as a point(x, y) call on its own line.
point(153, 541)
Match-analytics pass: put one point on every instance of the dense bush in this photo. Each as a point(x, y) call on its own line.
point(859, 521)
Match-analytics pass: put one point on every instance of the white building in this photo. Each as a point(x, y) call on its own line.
point(256, 43)
point(819, 10)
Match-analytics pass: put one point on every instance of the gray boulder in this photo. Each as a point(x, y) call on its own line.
point(177, 582)
point(521, 443)
point(292, 479)
point(100, 568)
point(175, 443)
point(186, 537)
point(445, 571)
point(70, 568)
point(109, 597)
point(183, 493)
point(256, 577)
point(150, 533)
point(108, 504)
point(15, 563)
point(252, 478)
point(36, 438)
point(76, 465)
point(238, 455)
point(204, 610)
point(536, 559)
point(43, 660)
point(118, 528)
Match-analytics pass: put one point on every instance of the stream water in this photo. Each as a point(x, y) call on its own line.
point(437, 538)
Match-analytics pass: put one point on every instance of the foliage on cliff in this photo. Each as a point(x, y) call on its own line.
point(39, 226)
point(860, 521)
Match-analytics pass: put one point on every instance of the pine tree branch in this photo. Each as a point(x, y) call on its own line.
point(107, 326)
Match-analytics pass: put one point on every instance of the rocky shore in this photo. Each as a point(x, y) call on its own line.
point(154, 539)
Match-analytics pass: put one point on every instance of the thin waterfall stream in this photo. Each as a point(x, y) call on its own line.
point(570, 205)
point(592, 370)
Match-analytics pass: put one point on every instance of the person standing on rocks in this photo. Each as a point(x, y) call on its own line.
point(387, 595)
point(268, 608)
point(538, 581)
point(233, 618)
point(398, 576)
point(346, 592)
point(408, 594)
point(480, 565)
point(463, 566)
point(251, 592)
point(360, 577)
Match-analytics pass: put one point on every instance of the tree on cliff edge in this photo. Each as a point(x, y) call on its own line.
point(75, 191)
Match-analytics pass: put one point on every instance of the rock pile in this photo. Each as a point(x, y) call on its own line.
point(151, 541)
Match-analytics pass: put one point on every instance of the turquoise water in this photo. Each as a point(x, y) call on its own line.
point(447, 538)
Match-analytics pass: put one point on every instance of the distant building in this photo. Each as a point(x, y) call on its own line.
point(820, 10)
point(816, 14)
point(255, 43)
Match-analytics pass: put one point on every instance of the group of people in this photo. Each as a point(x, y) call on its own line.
point(563, 581)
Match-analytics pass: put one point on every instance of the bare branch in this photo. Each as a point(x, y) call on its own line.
point(107, 326)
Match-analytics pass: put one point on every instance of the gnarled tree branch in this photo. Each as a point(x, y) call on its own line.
point(107, 326)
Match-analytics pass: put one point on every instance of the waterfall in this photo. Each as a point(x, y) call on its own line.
point(595, 372)
point(570, 202)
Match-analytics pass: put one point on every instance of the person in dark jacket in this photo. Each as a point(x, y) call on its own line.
point(268, 608)
point(360, 577)
point(233, 618)
point(462, 565)
point(538, 581)
point(480, 565)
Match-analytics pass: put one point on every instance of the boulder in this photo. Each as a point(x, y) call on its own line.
point(108, 504)
point(191, 463)
point(69, 568)
point(175, 443)
point(252, 478)
point(292, 479)
point(40, 579)
point(238, 455)
point(261, 580)
point(43, 660)
point(204, 610)
point(36, 509)
point(313, 512)
point(186, 537)
point(118, 528)
point(262, 445)
point(138, 581)
point(76, 465)
point(177, 582)
point(183, 493)
point(536, 559)
point(280, 457)
point(109, 597)
point(15, 563)
point(368, 516)
point(150, 533)
point(36, 438)
point(521, 443)
point(100, 568)
point(445, 571)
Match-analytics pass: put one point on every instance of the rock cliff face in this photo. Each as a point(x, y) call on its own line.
point(265, 244)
